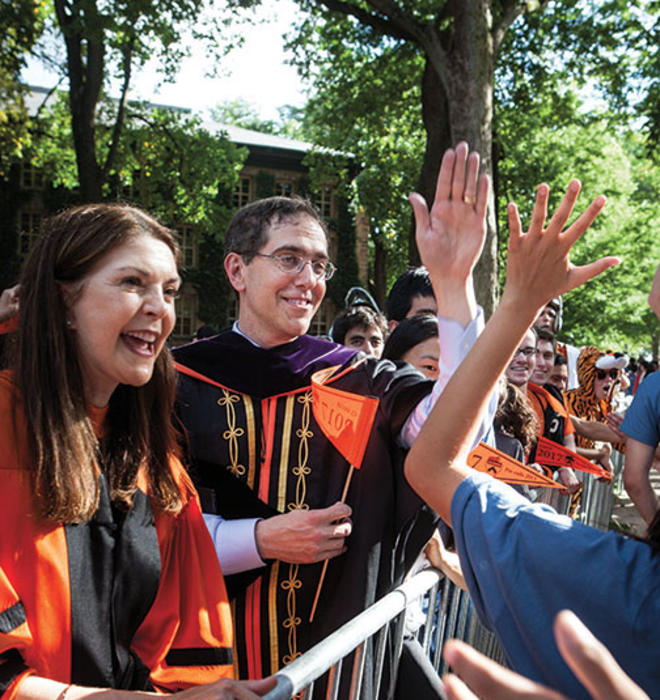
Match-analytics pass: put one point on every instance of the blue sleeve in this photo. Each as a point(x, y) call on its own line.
point(642, 421)
point(523, 563)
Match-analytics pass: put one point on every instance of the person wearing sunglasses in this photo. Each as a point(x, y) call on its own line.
point(598, 375)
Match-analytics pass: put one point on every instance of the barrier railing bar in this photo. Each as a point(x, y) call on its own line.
point(380, 657)
point(326, 653)
point(358, 671)
point(398, 643)
point(334, 676)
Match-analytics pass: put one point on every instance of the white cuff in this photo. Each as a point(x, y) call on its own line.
point(235, 543)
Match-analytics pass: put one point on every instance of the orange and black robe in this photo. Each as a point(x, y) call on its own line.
point(131, 599)
point(258, 451)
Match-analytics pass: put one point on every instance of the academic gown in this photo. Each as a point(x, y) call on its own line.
point(257, 450)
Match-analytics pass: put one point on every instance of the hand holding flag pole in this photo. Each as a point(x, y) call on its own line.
point(346, 420)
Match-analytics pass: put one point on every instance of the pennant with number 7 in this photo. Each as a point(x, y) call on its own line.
point(346, 420)
point(487, 459)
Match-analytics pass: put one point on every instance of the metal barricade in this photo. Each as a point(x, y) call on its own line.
point(597, 502)
point(450, 614)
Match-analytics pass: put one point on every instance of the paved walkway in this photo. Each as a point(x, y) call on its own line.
point(625, 514)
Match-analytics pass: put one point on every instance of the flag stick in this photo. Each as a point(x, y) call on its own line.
point(325, 563)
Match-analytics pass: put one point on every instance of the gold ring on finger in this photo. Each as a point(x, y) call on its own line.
point(469, 199)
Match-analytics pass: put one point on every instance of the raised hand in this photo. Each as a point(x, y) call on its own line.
point(451, 235)
point(591, 662)
point(538, 264)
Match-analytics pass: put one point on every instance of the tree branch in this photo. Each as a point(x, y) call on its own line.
point(127, 57)
point(511, 10)
point(380, 24)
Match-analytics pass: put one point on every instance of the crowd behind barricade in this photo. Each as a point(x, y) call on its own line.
point(177, 521)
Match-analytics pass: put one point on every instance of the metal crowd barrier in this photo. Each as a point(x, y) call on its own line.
point(450, 614)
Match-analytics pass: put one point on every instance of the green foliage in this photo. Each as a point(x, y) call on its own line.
point(610, 311)
point(367, 103)
point(21, 23)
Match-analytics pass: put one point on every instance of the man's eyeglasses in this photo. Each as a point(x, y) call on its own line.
point(293, 264)
point(527, 352)
point(602, 373)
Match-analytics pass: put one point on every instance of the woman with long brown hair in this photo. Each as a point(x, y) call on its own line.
point(108, 578)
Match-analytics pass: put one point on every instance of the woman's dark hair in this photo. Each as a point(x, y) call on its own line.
point(139, 434)
point(514, 416)
point(410, 332)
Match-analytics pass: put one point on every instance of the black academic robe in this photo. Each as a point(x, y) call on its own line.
point(256, 450)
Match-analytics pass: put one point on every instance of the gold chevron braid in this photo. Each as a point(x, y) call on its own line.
point(293, 583)
point(232, 433)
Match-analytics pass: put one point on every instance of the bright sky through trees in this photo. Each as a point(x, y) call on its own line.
point(255, 72)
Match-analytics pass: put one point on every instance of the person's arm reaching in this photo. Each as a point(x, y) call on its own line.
point(450, 237)
point(538, 268)
point(639, 459)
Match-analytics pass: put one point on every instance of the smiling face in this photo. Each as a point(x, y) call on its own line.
point(121, 313)
point(522, 365)
point(545, 360)
point(275, 307)
point(559, 377)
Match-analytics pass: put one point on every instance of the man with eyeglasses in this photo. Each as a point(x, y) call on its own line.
point(245, 402)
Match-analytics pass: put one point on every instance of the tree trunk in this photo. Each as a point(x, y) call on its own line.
point(468, 73)
point(435, 113)
point(85, 66)
point(379, 289)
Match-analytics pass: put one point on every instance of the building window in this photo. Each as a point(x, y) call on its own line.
point(32, 178)
point(29, 220)
point(284, 188)
point(323, 201)
point(322, 321)
point(186, 314)
point(187, 240)
point(243, 192)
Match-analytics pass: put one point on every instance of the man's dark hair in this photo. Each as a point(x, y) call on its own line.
point(410, 332)
point(560, 360)
point(414, 282)
point(548, 336)
point(248, 230)
point(361, 316)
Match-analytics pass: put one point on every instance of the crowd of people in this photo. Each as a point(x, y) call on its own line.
point(167, 517)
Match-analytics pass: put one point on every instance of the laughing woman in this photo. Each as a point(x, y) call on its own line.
point(107, 576)
point(522, 562)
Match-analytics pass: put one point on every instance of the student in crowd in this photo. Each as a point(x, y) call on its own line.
point(552, 418)
point(411, 295)
point(105, 562)
point(361, 328)
point(559, 374)
point(522, 562)
point(415, 340)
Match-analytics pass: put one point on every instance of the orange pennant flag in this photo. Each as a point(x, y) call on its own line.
point(491, 461)
point(553, 454)
point(344, 418)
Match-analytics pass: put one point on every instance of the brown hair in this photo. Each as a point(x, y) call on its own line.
point(247, 232)
point(138, 428)
point(515, 417)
